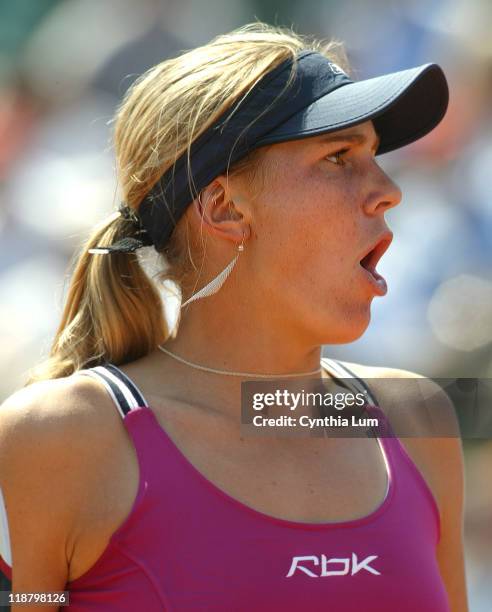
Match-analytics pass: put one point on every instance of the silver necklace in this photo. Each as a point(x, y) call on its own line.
point(229, 373)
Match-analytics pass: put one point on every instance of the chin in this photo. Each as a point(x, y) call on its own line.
point(346, 329)
point(345, 338)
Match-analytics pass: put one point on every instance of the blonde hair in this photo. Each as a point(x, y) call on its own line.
point(113, 310)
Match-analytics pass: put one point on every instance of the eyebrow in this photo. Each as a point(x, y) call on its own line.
point(356, 137)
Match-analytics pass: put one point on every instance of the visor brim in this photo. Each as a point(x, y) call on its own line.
point(404, 106)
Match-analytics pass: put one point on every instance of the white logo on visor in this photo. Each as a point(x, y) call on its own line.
point(335, 68)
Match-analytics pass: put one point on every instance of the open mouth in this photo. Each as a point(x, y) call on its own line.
point(371, 259)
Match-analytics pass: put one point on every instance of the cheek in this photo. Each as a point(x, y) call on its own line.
point(311, 217)
point(311, 213)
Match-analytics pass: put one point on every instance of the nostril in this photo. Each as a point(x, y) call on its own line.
point(385, 204)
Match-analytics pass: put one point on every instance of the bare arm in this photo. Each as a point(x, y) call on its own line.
point(37, 472)
point(450, 551)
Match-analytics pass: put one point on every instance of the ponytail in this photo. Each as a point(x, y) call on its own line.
point(113, 311)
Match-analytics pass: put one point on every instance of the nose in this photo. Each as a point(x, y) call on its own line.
point(385, 193)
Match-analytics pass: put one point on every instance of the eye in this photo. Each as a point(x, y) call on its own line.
point(337, 157)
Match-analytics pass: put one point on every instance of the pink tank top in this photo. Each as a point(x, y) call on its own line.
point(188, 545)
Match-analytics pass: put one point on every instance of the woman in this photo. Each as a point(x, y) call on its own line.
point(249, 165)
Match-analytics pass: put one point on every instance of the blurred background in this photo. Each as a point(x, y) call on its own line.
point(64, 65)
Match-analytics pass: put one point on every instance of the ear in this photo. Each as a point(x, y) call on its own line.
point(218, 214)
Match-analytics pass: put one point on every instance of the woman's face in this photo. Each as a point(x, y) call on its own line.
point(320, 211)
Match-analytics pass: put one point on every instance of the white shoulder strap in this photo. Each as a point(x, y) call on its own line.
point(124, 392)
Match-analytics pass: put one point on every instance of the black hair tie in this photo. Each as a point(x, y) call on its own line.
point(128, 244)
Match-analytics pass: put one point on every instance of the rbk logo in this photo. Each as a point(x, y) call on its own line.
point(333, 567)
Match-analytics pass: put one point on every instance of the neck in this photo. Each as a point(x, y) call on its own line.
point(245, 375)
point(243, 342)
point(246, 340)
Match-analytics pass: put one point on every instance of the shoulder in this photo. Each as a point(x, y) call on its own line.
point(424, 418)
point(50, 414)
point(66, 424)
point(418, 406)
point(54, 437)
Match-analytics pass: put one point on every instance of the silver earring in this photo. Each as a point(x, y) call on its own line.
point(216, 283)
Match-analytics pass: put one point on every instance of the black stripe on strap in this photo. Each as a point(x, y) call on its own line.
point(138, 396)
point(114, 388)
